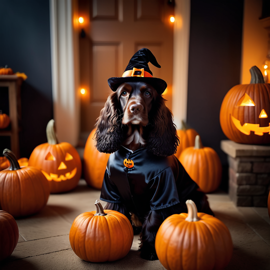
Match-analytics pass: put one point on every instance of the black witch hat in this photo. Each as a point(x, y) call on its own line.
point(137, 70)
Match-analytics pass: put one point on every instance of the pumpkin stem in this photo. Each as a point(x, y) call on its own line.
point(256, 75)
point(183, 125)
point(14, 165)
point(192, 211)
point(99, 209)
point(198, 143)
point(50, 131)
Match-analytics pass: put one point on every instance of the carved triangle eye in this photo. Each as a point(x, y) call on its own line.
point(263, 114)
point(68, 156)
point(246, 100)
point(49, 156)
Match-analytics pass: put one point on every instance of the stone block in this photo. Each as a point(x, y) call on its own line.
point(239, 200)
point(263, 179)
point(260, 201)
point(261, 167)
point(237, 165)
point(245, 190)
point(242, 178)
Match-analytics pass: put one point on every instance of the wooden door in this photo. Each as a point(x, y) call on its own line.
point(115, 30)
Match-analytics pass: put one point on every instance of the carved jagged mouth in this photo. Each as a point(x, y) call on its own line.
point(61, 177)
point(246, 128)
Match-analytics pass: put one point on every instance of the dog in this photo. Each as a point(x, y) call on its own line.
point(143, 179)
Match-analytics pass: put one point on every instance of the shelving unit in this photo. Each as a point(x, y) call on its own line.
point(13, 83)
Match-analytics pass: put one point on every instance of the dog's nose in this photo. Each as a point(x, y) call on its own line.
point(136, 108)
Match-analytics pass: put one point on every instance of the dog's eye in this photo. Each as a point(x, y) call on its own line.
point(124, 93)
point(147, 94)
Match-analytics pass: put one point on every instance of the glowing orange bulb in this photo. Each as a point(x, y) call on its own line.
point(83, 91)
point(172, 19)
point(81, 20)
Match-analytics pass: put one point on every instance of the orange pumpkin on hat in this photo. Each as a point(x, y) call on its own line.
point(59, 162)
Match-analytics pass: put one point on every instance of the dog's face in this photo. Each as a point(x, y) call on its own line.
point(136, 100)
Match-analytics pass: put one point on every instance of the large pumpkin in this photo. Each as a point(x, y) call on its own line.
point(94, 163)
point(186, 136)
point(194, 241)
point(59, 162)
point(9, 234)
point(203, 165)
point(4, 120)
point(24, 191)
point(245, 111)
point(101, 235)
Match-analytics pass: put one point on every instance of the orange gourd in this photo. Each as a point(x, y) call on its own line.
point(9, 234)
point(94, 163)
point(6, 71)
point(101, 235)
point(194, 241)
point(24, 191)
point(203, 165)
point(4, 163)
point(187, 137)
point(59, 162)
point(245, 111)
point(4, 120)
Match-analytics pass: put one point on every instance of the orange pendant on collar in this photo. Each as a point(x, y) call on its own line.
point(128, 163)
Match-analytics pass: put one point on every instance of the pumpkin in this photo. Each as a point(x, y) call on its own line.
point(4, 163)
point(94, 163)
point(101, 235)
point(194, 241)
point(24, 191)
point(186, 136)
point(245, 111)
point(9, 234)
point(6, 71)
point(203, 165)
point(4, 120)
point(59, 162)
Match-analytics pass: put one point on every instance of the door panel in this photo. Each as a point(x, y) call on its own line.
point(115, 30)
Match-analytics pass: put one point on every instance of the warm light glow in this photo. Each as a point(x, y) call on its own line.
point(83, 91)
point(265, 72)
point(246, 101)
point(265, 67)
point(61, 177)
point(62, 166)
point(165, 91)
point(81, 20)
point(68, 156)
point(172, 19)
point(49, 156)
point(263, 114)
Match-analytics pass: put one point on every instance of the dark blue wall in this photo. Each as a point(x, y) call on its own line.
point(25, 47)
point(214, 65)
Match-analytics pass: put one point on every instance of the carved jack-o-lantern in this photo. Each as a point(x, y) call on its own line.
point(59, 162)
point(128, 163)
point(245, 111)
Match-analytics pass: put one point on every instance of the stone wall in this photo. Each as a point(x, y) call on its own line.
point(249, 173)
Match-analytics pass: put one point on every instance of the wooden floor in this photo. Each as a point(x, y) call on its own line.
point(44, 237)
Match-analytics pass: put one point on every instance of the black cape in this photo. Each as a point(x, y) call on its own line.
point(153, 183)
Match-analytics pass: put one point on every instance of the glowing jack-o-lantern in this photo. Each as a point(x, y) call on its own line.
point(59, 162)
point(245, 111)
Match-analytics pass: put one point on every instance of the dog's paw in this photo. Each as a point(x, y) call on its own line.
point(149, 255)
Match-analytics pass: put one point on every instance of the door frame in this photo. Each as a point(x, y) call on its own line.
point(65, 66)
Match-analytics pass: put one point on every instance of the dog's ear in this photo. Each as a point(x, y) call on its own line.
point(162, 137)
point(109, 133)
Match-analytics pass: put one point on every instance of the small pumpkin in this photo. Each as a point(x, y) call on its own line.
point(203, 165)
point(245, 111)
point(186, 136)
point(4, 120)
point(4, 163)
point(59, 162)
point(9, 234)
point(24, 191)
point(94, 163)
point(6, 71)
point(101, 235)
point(194, 241)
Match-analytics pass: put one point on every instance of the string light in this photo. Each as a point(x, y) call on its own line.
point(172, 19)
point(81, 20)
